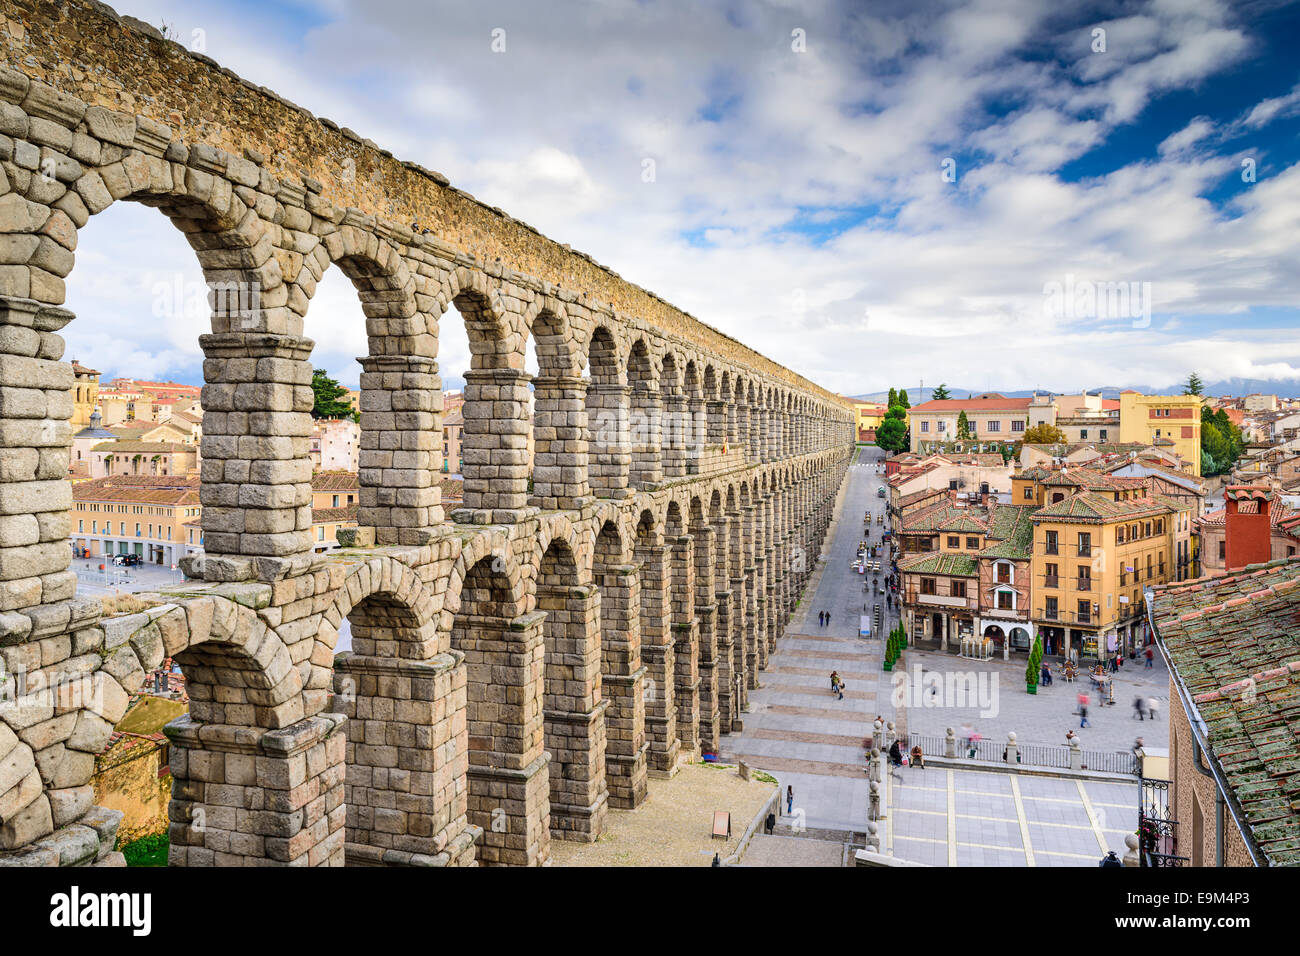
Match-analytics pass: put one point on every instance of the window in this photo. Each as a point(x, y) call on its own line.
point(1049, 543)
point(993, 426)
point(1049, 609)
point(1085, 544)
point(336, 502)
point(1017, 426)
point(954, 541)
point(1029, 493)
point(1103, 434)
point(1003, 573)
point(1085, 612)
point(959, 589)
point(1085, 577)
point(320, 532)
point(1119, 535)
point(1083, 434)
point(925, 427)
point(81, 526)
point(973, 543)
point(927, 585)
point(1006, 601)
point(1050, 576)
point(952, 484)
point(943, 426)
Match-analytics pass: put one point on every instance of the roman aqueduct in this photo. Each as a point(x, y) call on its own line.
point(519, 665)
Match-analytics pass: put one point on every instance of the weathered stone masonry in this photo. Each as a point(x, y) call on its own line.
point(518, 666)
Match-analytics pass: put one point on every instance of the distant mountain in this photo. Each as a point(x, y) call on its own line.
point(1283, 388)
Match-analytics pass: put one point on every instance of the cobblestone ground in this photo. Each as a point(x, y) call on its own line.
point(673, 826)
point(949, 817)
point(93, 582)
point(1001, 705)
point(796, 729)
point(792, 851)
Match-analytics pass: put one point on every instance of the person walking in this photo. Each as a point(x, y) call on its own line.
point(835, 679)
point(1083, 715)
point(828, 618)
point(1140, 707)
point(839, 691)
point(789, 800)
point(1153, 708)
point(1149, 656)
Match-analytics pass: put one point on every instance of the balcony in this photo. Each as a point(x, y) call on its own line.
point(1051, 581)
point(1059, 616)
point(1083, 584)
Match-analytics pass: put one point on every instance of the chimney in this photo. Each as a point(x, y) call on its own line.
point(1247, 526)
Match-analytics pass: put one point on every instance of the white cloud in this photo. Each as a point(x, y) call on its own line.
point(926, 277)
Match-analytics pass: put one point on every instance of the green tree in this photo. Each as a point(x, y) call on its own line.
point(1034, 667)
point(892, 400)
point(963, 427)
point(940, 394)
point(892, 433)
point(903, 399)
point(1044, 434)
point(1194, 385)
point(330, 397)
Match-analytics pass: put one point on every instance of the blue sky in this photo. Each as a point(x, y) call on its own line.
point(871, 194)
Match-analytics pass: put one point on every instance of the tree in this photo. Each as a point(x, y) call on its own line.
point(331, 397)
point(1194, 385)
point(1034, 667)
point(963, 427)
point(893, 399)
point(903, 399)
point(940, 394)
point(1044, 434)
point(892, 433)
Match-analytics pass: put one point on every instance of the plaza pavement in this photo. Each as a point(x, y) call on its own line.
point(799, 732)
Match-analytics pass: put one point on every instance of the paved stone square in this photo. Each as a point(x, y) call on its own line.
point(1041, 718)
point(950, 817)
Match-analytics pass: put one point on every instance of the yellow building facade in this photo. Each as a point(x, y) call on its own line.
point(1169, 421)
point(1093, 554)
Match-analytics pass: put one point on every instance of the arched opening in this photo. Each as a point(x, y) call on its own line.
point(493, 403)
point(675, 418)
point(573, 703)
point(342, 434)
point(645, 430)
point(621, 675)
point(404, 739)
point(607, 433)
point(706, 608)
point(559, 433)
point(696, 423)
point(657, 645)
point(685, 632)
point(504, 658)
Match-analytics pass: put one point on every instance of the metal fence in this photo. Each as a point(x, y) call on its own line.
point(1033, 755)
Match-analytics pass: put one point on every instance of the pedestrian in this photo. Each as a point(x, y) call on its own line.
point(828, 617)
point(789, 800)
point(821, 618)
point(1149, 656)
point(770, 823)
point(835, 679)
point(1140, 707)
point(1153, 707)
point(840, 691)
point(1083, 716)
point(1046, 674)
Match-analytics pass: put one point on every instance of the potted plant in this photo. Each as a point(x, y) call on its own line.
point(1034, 667)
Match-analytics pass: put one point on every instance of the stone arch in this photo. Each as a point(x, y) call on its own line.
point(560, 444)
point(504, 659)
point(607, 416)
point(572, 706)
point(646, 411)
point(675, 415)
